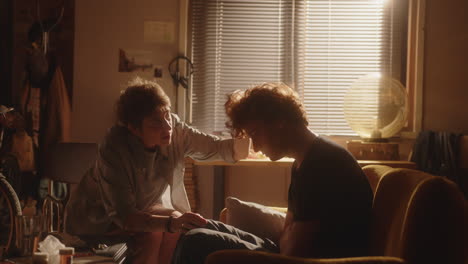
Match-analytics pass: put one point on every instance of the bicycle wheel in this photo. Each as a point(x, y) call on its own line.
point(9, 208)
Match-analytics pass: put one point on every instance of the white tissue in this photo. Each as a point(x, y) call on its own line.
point(51, 245)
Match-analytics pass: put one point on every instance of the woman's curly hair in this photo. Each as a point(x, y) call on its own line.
point(139, 100)
point(268, 102)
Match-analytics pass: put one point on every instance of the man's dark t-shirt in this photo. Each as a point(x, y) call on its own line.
point(330, 187)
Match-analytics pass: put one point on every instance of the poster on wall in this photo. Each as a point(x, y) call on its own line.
point(131, 60)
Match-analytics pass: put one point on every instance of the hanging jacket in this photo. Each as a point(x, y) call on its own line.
point(438, 153)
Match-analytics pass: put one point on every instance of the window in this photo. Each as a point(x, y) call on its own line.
point(319, 47)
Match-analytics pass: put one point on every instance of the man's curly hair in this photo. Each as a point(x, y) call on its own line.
point(268, 102)
point(139, 100)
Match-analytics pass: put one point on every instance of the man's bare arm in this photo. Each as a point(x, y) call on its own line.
point(158, 209)
point(156, 219)
point(297, 238)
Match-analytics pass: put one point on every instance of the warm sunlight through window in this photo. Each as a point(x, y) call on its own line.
point(319, 47)
point(337, 43)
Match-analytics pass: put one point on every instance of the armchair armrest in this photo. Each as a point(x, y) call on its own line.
point(257, 257)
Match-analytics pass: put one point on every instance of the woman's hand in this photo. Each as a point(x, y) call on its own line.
point(186, 222)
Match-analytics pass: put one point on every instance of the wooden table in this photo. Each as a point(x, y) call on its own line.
point(80, 260)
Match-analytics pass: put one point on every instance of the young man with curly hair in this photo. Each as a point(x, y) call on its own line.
point(142, 155)
point(329, 200)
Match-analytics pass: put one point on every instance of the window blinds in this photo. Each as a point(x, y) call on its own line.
point(236, 44)
point(317, 47)
point(339, 42)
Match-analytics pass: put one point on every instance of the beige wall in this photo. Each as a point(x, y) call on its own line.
point(102, 27)
point(268, 186)
point(445, 101)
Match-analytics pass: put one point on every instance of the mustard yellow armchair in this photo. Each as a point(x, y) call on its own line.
point(418, 218)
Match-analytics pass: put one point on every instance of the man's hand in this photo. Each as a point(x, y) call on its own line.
point(186, 222)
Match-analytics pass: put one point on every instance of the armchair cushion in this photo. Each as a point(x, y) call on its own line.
point(257, 257)
point(257, 219)
point(417, 218)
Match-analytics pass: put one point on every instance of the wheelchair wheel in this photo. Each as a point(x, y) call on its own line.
point(10, 169)
point(9, 208)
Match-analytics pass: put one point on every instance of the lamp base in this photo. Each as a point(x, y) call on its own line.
point(372, 150)
point(379, 140)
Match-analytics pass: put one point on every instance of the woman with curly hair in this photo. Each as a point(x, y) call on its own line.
point(329, 200)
